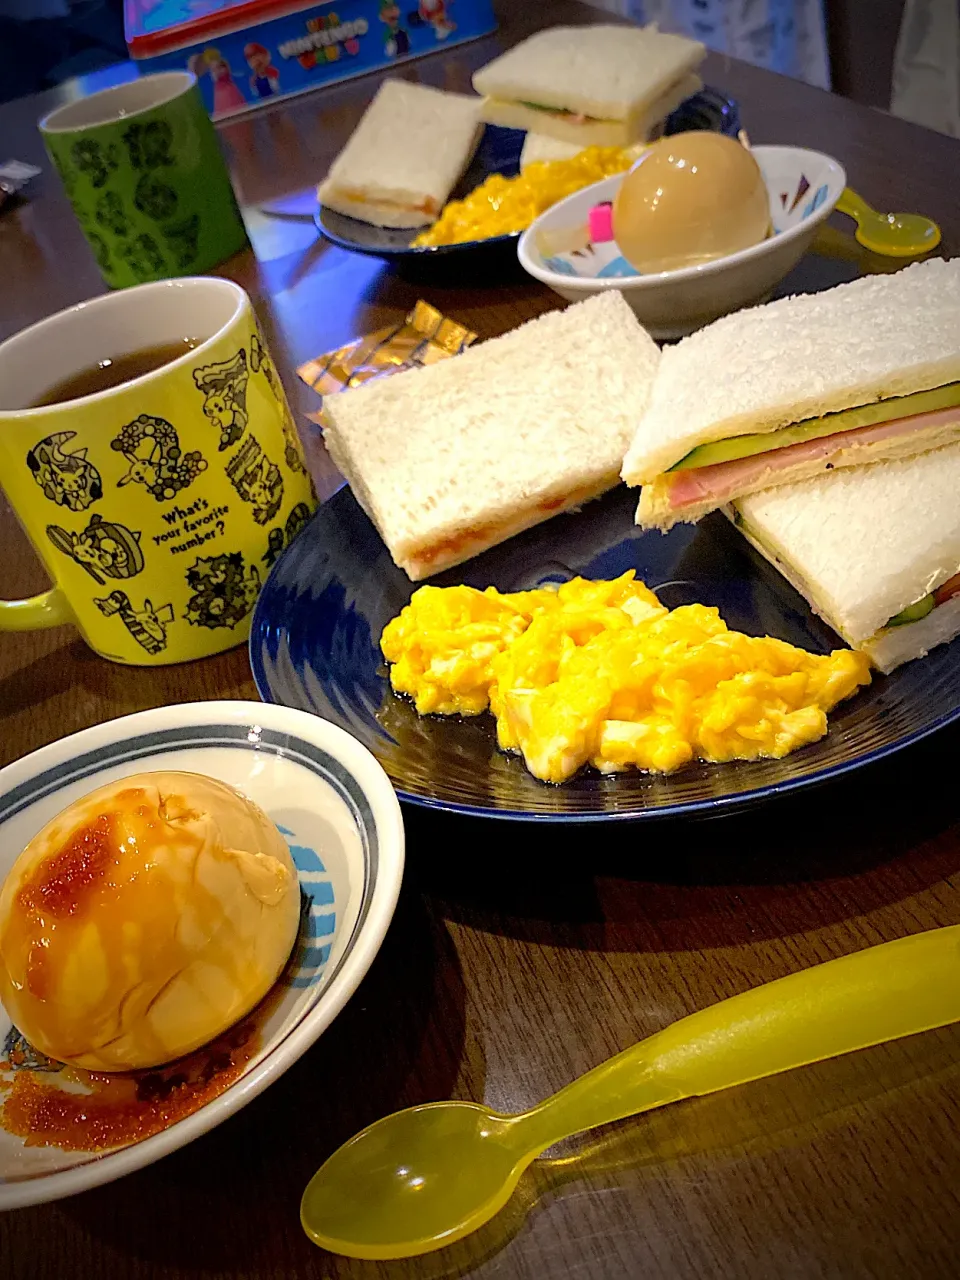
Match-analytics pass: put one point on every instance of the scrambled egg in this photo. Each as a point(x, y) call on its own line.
point(602, 673)
point(502, 205)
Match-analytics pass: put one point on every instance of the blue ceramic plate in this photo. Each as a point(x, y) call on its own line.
point(314, 645)
point(499, 152)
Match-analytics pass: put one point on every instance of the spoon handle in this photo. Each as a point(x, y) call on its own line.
point(882, 993)
point(853, 205)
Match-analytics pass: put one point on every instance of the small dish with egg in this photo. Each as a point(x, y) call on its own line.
point(803, 188)
point(155, 1000)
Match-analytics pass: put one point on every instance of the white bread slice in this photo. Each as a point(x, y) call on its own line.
point(591, 133)
point(539, 148)
point(654, 511)
point(404, 157)
point(455, 457)
point(607, 72)
point(399, 216)
point(862, 544)
point(902, 644)
point(801, 357)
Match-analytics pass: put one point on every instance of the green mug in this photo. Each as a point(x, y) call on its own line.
point(142, 167)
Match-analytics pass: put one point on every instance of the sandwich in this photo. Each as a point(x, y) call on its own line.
point(861, 373)
point(455, 457)
point(600, 86)
point(875, 550)
point(404, 157)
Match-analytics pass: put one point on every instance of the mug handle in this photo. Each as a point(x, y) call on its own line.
point(48, 609)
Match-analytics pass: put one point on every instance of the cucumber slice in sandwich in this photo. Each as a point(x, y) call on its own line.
point(864, 415)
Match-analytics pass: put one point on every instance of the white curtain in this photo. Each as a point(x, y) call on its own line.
point(926, 70)
point(782, 35)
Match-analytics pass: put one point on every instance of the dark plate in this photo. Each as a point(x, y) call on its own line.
point(499, 152)
point(314, 645)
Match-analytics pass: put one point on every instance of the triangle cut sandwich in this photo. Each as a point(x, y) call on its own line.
point(603, 86)
point(865, 372)
point(875, 550)
point(453, 458)
point(404, 157)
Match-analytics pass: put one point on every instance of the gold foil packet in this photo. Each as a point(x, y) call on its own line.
point(424, 337)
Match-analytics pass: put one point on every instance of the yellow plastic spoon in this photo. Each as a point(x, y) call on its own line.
point(426, 1177)
point(896, 235)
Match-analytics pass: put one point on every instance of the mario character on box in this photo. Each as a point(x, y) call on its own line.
point(265, 80)
point(434, 12)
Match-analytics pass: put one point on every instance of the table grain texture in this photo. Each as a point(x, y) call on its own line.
point(520, 957)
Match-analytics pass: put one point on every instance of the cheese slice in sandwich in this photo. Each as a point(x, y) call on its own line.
point(875, 550)
point(453, 458)
point(604, 86)
point(861, 373)
point(404, 157)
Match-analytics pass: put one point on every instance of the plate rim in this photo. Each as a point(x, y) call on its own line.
point(110, 1165)
point(690, 809)
point(422, 253)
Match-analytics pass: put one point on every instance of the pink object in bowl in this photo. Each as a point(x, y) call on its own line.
point(600, 222)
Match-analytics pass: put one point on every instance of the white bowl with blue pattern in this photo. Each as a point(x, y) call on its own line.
point(803, 187)
point(340, 816)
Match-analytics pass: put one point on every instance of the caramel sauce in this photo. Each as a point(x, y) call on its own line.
point(63, 882)
point(124, 1108)
point(60, 888)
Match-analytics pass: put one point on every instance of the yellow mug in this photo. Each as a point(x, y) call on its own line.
point(157, 505)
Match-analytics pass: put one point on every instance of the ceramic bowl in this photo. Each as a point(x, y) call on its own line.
point(803, 186)
point(341, 818)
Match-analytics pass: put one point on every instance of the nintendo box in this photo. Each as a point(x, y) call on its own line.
point(245, 53)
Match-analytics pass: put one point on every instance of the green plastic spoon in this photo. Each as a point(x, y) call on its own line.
point(896, 235)
point(426, 1177)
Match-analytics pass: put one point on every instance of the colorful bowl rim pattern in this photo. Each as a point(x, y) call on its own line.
point(826, 194)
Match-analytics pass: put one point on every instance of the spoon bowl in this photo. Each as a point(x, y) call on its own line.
point(434, 1172)
point(895, 235)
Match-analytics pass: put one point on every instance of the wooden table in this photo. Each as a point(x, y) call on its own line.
point(518, 957)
